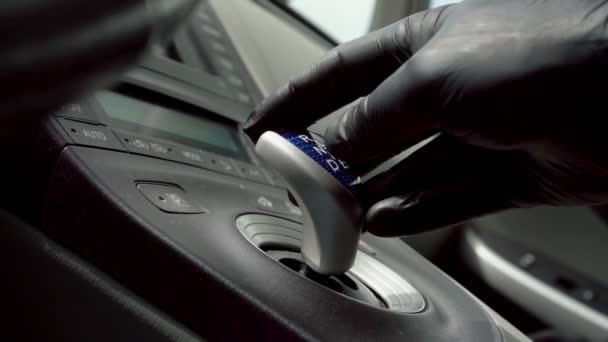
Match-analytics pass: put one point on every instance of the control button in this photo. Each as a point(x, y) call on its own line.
point(276, 205)
point(90, 135)
point(69, 109)
point(149, 147)
point(84, 109)
point(170, 199)
point(222, 164)
point(588, 295)
point(274, 178)
point(159, 148)
point(221, 83)
point(252, 172)
point(243, 97)
point(265, 203)
point(218, 47)
point(234, 80)
point(527, 260)
point(225, 63)
point(192, 156)
point(204, 16)
point(212, 31)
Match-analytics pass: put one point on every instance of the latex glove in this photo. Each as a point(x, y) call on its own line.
point(517, 89)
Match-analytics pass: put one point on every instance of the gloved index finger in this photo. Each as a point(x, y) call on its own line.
point(347, 72)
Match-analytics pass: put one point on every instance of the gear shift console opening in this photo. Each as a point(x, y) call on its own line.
point(344, 284)
point(369, 280)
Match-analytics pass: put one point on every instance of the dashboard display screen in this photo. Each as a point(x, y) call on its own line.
point(185, 125)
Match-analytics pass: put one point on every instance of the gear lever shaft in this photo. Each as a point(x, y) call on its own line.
point(319, 182)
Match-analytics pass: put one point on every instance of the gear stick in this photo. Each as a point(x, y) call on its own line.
point(319, 182)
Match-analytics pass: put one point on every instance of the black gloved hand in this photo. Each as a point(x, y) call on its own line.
point(517, 89)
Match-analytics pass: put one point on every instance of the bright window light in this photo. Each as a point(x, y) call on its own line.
point(343, 20)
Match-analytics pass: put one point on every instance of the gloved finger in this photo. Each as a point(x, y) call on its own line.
point(432, 209)
point(400, 112)
point(443, 183)
point(443, 160)
point(348, 72)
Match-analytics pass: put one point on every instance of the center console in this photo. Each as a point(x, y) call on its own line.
point(154, 182)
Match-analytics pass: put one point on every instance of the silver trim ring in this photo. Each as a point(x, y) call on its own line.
point(395, 291)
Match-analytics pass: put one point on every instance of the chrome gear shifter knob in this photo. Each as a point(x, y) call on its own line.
point(332, 216)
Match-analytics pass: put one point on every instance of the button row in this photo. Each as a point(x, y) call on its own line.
point(209, 31)
point(185, 155)
point(102, 136)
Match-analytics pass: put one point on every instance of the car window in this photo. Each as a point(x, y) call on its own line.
point(342, 20)
point(437, 3)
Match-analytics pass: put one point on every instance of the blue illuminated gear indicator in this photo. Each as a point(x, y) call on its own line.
point(318, 152)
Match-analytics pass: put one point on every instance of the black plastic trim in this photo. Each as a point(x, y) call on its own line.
point(567, 280)
point(181, 90)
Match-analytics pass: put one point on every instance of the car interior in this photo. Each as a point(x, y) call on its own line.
point(141, 212)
